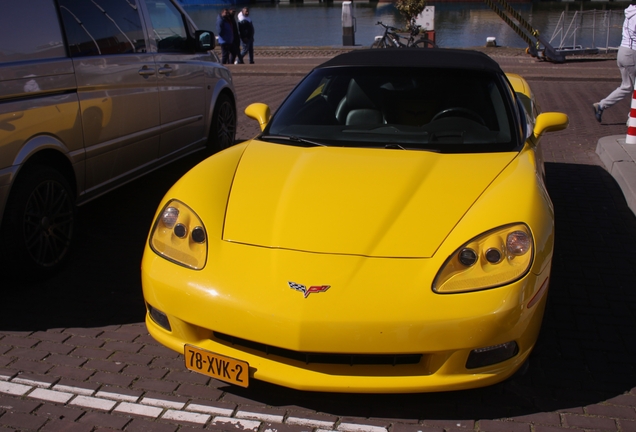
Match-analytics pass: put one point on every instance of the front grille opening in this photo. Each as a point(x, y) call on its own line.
point(324, 358)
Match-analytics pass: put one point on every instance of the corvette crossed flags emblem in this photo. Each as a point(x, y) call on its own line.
point(306, 291)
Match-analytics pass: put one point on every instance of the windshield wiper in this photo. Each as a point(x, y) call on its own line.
point(293, 139)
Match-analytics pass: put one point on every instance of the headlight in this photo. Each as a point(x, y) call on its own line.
point(178, 235)
point(492, 259)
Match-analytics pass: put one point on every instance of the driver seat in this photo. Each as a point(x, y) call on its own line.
point(356, 108)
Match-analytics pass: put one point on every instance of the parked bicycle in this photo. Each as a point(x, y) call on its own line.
point(392, 39)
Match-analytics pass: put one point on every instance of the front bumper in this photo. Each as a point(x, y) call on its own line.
point(278, 342)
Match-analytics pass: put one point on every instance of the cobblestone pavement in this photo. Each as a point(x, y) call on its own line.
point(75, 355)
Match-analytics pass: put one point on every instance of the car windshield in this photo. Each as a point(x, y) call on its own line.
point(442, 110)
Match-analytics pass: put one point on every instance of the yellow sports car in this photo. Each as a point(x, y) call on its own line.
point(388, 231)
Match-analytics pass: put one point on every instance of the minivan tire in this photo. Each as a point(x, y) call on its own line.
point(38, 223)
point(223, 127)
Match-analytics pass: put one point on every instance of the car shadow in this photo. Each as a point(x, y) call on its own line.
point(585, 352)
point(100, 284)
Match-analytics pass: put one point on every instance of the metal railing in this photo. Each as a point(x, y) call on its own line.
point(588, 30)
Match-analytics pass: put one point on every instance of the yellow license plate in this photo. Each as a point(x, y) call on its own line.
point(217, 366)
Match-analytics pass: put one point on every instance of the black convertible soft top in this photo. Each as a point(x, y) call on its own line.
point(416, 57)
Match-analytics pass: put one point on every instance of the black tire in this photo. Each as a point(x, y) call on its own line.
point(223, 127)
point(38, 223)
point(424, 43)
point(382, 43)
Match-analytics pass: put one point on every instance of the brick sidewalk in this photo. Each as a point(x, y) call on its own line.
point(75, 355)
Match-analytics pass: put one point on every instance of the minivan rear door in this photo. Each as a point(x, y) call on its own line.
point(117, 88)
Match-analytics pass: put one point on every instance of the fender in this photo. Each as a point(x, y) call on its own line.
point(41, 143)
point(223, 81)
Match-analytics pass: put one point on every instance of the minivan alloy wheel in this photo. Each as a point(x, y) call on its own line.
point(48, 223)
point(39, 222)
point(223, 123)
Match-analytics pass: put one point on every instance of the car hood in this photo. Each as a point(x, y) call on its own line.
point(370, 202)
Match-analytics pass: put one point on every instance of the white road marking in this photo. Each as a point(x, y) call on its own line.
point(141, 410)
point(92, 402)
point(164, 409)
point(239, 424)
point(117, 396)
point(212, 410)
point(270, 418)
point(351, 427)
point(14, 389)
point(162, 403)
point(74, 390)
point(31, 382)
point(51, 395)
point(321, 424)
point(186, 416)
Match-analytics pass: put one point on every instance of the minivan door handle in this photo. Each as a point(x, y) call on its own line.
point(146, 71)
point(165, 70)
point(12, 116)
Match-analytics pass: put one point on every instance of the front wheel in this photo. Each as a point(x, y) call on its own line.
point(382, 43)
point(223, 127)
point(38, 223)
point(424, 43)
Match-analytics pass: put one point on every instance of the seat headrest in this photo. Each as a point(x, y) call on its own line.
point(357, 98)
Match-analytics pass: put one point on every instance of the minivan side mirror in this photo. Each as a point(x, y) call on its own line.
point(204, 40)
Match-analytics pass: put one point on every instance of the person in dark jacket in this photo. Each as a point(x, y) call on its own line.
point(246, 30)
point(235, 52)
point(225, 35)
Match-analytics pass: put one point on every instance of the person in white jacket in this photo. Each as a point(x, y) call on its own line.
point(626, 60)
point(246, 30)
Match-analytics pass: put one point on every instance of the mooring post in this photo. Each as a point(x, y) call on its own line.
point(348, 24)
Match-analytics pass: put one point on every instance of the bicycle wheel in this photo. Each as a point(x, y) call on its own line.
point(424, 43)
point(384, 43)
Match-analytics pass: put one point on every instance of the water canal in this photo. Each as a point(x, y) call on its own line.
point(457, 24)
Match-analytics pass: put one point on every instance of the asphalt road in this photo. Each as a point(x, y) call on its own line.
point(82, 332)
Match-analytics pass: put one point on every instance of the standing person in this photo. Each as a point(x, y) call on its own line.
point(235, 53)
point(626, 61)
point(246, 29)
point(225, 35)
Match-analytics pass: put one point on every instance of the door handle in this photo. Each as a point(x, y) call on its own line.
point(165, 70)
point(12, 116)
point(145, 71)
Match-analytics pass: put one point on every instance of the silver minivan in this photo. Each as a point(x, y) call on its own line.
point(93, 94)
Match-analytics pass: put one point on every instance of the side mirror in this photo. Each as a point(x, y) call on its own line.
point(550, 122)
point(259, 112)
point(204, 40)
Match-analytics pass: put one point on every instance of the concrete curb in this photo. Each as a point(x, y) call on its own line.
point(618, 158)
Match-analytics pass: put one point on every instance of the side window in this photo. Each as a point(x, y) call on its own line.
point(30, 30)
point(169, 29)
point(102, 27)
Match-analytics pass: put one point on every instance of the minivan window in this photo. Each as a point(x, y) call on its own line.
point(102, 27)
point(28, 30)
point(168, 26)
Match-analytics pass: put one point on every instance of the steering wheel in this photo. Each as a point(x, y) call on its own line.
point(461, 112)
